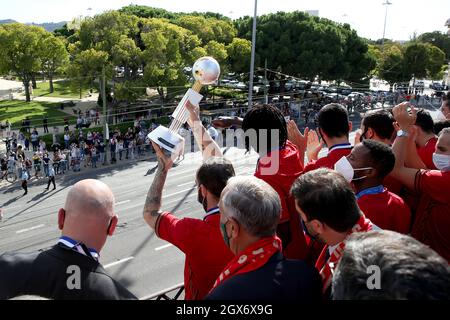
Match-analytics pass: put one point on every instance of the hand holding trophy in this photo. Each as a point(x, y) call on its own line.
point(206, 71)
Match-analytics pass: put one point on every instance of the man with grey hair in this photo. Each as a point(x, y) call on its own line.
point(390, 266)
point(250, 211)
point(70, 269)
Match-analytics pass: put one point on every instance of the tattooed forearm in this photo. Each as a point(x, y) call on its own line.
point(154, 196)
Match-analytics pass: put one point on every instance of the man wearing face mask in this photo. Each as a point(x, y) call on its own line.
point(249, 215)
point(330, 213)
point(366, 167)
point(432, 222)
point(200, 240)
point(378, 126)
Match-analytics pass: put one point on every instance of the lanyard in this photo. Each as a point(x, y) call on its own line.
point(372, 190)
point(211, 212)
point(79, 247)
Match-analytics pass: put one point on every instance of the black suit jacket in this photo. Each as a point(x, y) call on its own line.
point(279, 279)
point(48, 273)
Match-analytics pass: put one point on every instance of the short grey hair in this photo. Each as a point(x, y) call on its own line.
point(444, 131)
point(253, 203)
point(409, 270)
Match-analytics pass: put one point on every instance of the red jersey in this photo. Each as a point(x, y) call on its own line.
point(202, 243)
point(279, 169)
point(335, 153)
point(386, 210)
point(426, 153)
point(393, 185)
point(432, 222)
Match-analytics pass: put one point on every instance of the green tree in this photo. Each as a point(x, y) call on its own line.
point(305, 46)
point(438, 39)
point(239, 51)
point(86, 67)
point(422, 60)
point(168, 51)
point(54, 57)
point(391, 65)
point(416, 60)
point(436, 60)
point(218, 51)
point(20, 49)
point(126, 54)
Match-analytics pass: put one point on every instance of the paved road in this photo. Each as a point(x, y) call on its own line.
point(134, 255)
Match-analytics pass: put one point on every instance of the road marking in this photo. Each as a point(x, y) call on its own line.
point(118, 262)
point(164, 246)
point(29, 229)
point(185, 184)
point(122, 202)
point(172, 194)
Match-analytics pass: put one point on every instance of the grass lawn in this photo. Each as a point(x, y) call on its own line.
point(16, 110)
point(62, 89)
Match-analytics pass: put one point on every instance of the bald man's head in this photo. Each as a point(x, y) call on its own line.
point(88, 214)
point(90, 198)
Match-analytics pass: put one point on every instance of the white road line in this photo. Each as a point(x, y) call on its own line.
point(118, 262)
point(122, 202)
point(185, 184)
point(164, 246)
point(172, 194)
point(29, 229)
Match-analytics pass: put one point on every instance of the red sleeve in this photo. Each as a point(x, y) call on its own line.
point(401, 218)
point(434, 183)
point(284, 215)
point(178, 232)
point(312, 165)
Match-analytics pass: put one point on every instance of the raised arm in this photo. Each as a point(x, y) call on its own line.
point(405, 121)
point(208, 146)
point(152, 207)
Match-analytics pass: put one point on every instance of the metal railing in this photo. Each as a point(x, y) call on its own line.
point(166, 294)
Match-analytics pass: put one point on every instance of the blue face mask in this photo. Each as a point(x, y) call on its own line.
point(305, 229)
point(225, 235)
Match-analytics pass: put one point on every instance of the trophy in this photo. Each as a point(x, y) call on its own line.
point(206, 71)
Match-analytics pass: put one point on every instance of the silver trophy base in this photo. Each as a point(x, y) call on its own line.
point(167, 139)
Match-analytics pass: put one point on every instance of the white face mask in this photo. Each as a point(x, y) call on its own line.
point(441, 161)
point(344, 167)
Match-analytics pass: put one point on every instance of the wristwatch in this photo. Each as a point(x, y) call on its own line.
point(401, 133)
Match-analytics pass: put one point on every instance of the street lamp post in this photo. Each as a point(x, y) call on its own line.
point(387, 3)
point(252, 60)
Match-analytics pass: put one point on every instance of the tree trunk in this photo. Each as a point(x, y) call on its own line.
point(161, 94)
point(50, 78)
point(26, 84)
point(33, 80)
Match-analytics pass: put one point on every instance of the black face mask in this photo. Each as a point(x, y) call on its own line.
point(202, 200)
point(363, 135)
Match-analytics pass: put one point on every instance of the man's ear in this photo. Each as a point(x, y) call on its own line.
point(203, 191)
point(234, 228)
point(61, 218)
point(318, 226)
point(370, 133)
point(112, 225)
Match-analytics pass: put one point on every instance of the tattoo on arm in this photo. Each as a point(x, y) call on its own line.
point(153, 201)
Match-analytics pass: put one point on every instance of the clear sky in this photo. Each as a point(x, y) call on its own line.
point(405, 17)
